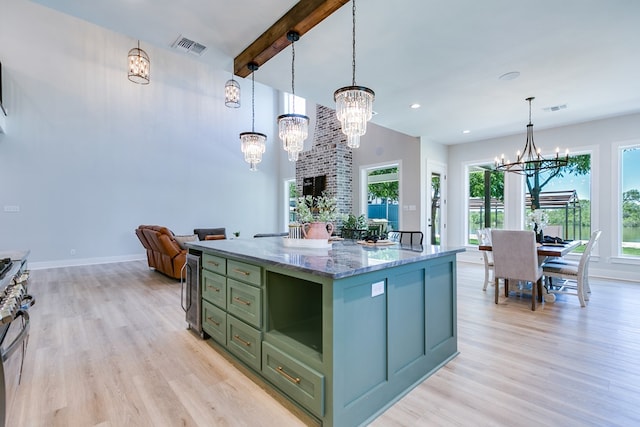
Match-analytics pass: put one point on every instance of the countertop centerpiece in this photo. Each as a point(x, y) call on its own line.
point(317, 214)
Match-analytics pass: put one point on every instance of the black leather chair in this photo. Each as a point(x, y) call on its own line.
point(211, 233)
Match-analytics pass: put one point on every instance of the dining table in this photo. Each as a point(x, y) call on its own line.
point(549, 249)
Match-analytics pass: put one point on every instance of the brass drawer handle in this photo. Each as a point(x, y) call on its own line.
point(248, 344)
point(241, 301)
point(246, 273)
point(210, 319)
point(214, 288)
point(215, 264)
point(287, 376)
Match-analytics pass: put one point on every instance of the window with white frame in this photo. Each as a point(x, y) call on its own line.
point(629, 209)
point(294, 104)
point(485, 202)
point(566, 198)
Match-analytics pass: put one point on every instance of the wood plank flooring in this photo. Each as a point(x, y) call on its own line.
point(109, 347)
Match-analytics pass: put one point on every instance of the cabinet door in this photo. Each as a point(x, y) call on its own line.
point(244, 302)
point(214, 288)
point(244, 341)
point(214, 322)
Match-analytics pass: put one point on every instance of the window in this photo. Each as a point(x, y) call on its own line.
point(629, 245)
point(290, 195)
point(383, 193)
point(294, 104)
point(566, 198)
point(482, 196)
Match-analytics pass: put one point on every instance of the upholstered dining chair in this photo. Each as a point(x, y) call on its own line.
point(484, 239)
point(572, 271)
point(515, 257)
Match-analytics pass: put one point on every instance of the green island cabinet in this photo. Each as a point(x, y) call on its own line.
point(342, 332)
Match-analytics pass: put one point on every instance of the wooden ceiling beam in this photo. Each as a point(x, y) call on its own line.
point(302, 17)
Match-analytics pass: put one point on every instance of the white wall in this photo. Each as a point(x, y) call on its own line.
point(88, 155)
point(597, 136)
point(382, 146)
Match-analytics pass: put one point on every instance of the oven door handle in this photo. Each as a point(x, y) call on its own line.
point(11, 348)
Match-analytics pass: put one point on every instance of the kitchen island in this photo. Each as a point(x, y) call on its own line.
point(343, 331)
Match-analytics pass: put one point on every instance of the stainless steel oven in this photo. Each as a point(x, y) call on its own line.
point(14, 331)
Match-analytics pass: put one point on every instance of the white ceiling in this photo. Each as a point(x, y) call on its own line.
point(446, 55)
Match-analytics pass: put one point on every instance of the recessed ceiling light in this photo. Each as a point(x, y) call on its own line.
point(415, 105)
point(466, 131)
point(511, 75)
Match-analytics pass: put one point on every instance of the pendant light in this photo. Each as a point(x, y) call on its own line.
point(253, 144)
point(232, 93)
point(293, 128)
point(354, 104)
point(139, 66)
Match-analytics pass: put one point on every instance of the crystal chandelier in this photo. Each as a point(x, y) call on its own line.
point(139, 66)
point(253, 144)
point(293, 128)
point(232, 93)
point(354, 104)
point(531, 162)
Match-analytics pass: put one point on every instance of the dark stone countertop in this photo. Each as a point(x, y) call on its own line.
point(344, 258)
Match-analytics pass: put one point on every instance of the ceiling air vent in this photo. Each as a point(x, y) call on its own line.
point(183, 44)
point(555, 108)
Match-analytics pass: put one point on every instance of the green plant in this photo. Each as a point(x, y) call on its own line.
point(355, 222)
point(317, 209)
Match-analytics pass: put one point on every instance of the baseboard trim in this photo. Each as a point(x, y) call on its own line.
point(84, 261)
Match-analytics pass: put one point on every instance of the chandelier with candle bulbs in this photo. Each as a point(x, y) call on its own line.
point(530, 161)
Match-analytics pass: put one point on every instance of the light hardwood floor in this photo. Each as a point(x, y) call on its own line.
point(109, 347)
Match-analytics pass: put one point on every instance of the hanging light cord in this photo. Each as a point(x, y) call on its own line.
point(353, 44)
point(253, 101)
point(293, 75)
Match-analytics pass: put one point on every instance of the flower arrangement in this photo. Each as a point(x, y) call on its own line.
point(538, 220)
point(322, 208)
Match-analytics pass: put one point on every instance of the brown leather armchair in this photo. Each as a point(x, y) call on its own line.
point(164, 254)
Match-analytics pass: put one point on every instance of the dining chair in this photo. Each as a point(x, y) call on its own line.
point(515, 257)
point(410, 238)
point(553, 231)
point(484, 239)
point(570, 272)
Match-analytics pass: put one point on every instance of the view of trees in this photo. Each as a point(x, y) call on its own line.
point(388, 190)
point(537, 180)
point(577, 165)
point(631, 208)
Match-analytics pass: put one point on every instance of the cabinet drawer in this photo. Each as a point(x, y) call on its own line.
point(246, 272)
point(214, 288)
point(214, 322)
point(214, 263)
point(244, 341)
point(244, 302)
point(300, 382)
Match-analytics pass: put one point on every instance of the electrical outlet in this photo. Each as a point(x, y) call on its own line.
point(72, 251)
point(8, 208)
